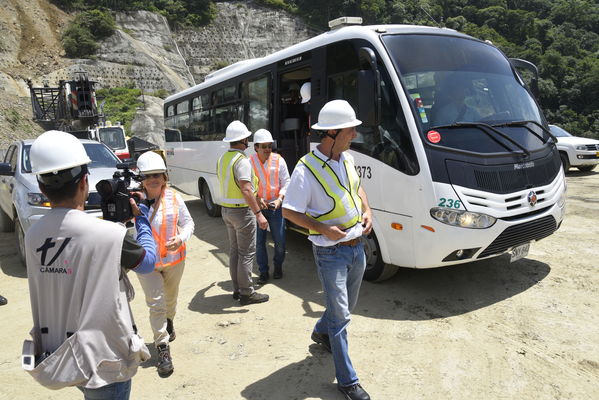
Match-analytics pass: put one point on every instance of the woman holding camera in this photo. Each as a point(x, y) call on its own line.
point(172, 225)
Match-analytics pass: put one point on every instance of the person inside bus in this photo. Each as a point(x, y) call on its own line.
point(306, 94)
point(450, 102)
point(273, 179)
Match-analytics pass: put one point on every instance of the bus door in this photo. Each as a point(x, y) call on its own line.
point(293, 140)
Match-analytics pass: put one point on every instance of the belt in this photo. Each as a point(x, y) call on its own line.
point(353, 242)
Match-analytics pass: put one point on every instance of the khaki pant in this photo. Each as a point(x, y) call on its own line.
point(161, 288)
point(241, 228)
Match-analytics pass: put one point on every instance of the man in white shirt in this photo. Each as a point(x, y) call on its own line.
point(273, 179)
point(325, 197)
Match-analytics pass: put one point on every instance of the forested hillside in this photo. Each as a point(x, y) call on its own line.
point(560, 36)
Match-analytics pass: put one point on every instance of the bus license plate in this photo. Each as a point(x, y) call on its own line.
point(519, 252)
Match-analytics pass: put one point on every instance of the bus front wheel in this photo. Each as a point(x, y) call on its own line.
point(212, 209)
point(376, 269)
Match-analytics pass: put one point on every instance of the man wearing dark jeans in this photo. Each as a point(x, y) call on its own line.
point(273, 179)
point(325, 197)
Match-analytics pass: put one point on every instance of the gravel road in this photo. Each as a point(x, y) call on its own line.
point(485, 330)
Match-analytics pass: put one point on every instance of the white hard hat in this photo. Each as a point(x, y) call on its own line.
point(306, 92)
point(336, 114)
point(236, 131)
point(151, 163)
point(55, 151)
point(262, 136)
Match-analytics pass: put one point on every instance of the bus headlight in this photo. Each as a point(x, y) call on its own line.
point(38, 199)
point(464, 219)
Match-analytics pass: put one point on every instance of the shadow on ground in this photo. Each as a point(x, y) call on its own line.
point(410, 295)
point(299, 380)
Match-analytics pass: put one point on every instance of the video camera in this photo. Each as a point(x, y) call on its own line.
point(116, 192)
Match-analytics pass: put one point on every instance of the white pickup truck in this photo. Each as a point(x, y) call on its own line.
point(579, 152)
point(21, 201)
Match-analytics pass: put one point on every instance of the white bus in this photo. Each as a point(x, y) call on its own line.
point(454, 153)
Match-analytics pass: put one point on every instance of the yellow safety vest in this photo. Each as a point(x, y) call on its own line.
point(347, 208)
point(168, 229)
point(230, 191)
point(268, 178)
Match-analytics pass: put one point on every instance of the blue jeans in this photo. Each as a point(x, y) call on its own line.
point(340, 269)
point(276, 222)
point(113, 391)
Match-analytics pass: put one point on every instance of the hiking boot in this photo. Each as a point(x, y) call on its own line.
point(165, 365)
point(236, 295)
point(170, 328)
point(354, 392)
point(278, 274)
point(323, 339)
point(253, 298)
point(263, 278)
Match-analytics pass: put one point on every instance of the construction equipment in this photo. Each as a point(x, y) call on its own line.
point(69, 107)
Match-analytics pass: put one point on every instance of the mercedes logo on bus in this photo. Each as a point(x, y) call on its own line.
point(532, 198)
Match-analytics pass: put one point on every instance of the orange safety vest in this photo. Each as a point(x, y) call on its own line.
point(268, 178)
point(168, 229)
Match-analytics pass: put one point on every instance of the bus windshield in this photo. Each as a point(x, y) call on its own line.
point(454, 80)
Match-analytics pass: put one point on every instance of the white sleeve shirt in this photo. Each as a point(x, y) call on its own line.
point(306, 195)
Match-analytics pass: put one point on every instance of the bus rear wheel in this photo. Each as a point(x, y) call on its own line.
point(212, 209)
point(376, 269)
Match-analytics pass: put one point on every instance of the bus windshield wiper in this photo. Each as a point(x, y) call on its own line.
point(526, 124)
point(487, 129)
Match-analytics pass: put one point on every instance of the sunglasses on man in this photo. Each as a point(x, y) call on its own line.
point(157, 175)
point(265, 145)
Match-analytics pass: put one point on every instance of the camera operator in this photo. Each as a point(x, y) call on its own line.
point(83, 330)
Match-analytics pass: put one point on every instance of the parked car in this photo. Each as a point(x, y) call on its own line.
point(579, 152)
point(21, 201)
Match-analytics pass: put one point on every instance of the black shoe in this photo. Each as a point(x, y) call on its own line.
point(354, 392)
point(165, 365)
point(278, 274)
point(3, 301)
point(236, 295)
point(170, 328)
point(253, 298)
point(263, 278)
point(323, 339)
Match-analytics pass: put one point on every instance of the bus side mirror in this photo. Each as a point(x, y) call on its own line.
point(369, 88)
point(518, 63)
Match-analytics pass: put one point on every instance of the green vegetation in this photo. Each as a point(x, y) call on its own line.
point(13, 117)
point(81, 36)
point(560, 36)
point(179, 13)
point(121, 103)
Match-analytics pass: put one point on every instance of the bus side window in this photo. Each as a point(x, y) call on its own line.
point(257, 104)
point(390, 142)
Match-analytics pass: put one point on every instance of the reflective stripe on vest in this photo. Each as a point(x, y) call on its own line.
point(346, 211)
point(268, 178)
point(231, 195)
point(168, 229)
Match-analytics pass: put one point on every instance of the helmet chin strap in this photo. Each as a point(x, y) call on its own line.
point(333, 146)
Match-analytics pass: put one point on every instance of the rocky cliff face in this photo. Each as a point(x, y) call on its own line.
point(143, 53)
point(241, 30)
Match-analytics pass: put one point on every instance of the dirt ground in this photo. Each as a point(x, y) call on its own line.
point(485, 330)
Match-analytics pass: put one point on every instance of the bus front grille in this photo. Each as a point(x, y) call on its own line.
point(506, 178)
point(520, 234)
